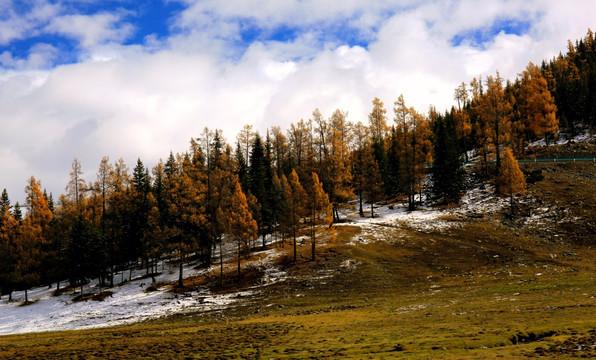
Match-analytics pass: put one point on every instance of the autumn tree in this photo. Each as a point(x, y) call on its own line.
point(186, 230)
point(279, 151)
point(76, 185)
point(494, 110)
point(241, 226)
point(245, 138)
point(117, 215)
point(462, 117)
point(536, 105)
point(511, 179)
point(416, 150)
point(367, 179)
point(336, 170)
point(29, 252)
point(319, 208)
point(294, 200)
point(298, 143)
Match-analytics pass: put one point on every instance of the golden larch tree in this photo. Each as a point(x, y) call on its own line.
point(294, 201)
point(319, 207)
point(337, 172)
point(536, 104)
point(511, 179)
point(241, 226)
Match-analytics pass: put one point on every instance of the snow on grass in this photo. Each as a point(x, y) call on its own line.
point(129, 303)
point(476, 202)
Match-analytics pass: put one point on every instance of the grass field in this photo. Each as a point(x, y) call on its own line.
point(488, 288)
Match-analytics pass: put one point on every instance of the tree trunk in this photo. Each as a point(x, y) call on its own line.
point(26, 298)
point(294, 245)
point(314, 239)
point(372, 209)
point(361, 211)
point(220, 264)
point(238, 251)
point(263, 241)
point(180, 279)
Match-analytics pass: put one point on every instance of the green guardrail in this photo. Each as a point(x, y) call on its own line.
point(557, 160)
point(534, 161)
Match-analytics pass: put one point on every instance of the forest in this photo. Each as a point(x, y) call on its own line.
point(288, 180)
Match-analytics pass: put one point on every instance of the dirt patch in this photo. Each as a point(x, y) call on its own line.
point(575, 346)
point(95, 297)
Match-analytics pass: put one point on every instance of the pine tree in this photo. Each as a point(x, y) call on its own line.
point(17, 213)
point(378, 131)
point(260, 183)
point(9, 229)
point(446, 171)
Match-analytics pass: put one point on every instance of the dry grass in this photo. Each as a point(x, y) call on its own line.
point(480, 291)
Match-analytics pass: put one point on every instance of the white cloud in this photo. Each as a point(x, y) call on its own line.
point(148, 99)
point(91, 30)
point(18, 26)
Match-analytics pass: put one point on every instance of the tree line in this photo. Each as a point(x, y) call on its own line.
point(286, 182)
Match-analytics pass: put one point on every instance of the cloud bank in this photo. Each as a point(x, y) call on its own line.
point(82, 80)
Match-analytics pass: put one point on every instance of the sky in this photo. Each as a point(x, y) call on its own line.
point(138, 79)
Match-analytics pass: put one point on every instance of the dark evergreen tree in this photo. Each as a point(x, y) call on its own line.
point(260, 177)
point(392, 176)
point(447, 174)
point(82, 252)
point(17, 213)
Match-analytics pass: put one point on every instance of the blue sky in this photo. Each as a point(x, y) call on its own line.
point(128, 78)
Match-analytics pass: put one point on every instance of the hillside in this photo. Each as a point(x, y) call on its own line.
point(463, 282)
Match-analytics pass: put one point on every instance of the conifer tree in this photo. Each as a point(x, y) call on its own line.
point(29, 252)
point(9, 229)
point(494, 112)
point(76, 185)
point(242, 227)
point(536, 105)
point(416, 151)
point(260, 181)
point(295, 198)
point(446, 170)
point(336, 171)
point(279, 151)
point(462, 117)
point(511, 178)
point(319, 207)
point(17, 213)
point(378, 131)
